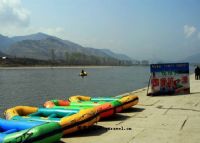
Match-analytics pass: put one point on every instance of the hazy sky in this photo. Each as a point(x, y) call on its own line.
point(142, 29)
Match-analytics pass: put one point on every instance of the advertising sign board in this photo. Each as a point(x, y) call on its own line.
point(169, 79)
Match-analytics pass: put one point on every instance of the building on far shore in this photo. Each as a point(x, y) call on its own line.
point(3, 58)
point(144, 62)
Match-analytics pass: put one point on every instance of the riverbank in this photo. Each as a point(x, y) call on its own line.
point(55, 67)
point(161, 119)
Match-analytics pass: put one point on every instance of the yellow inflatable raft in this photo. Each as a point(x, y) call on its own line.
point(70, 120)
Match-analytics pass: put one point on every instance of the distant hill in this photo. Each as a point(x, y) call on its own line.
point(115, 55)
point(5, 42)
point(2, 54)
point(195, 59)
point(37, 36)
point(45, 47)
point(41, 49)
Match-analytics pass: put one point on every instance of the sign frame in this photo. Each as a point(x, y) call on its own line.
point(170, 79)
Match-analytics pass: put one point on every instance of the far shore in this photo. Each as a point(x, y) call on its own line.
point(53, 67)
point(59, 67)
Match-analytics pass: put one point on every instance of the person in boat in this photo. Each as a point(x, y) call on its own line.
point(82, 72)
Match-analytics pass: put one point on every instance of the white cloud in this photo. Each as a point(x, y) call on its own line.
point(15, 20)
point(189, 30)
point(13, 14)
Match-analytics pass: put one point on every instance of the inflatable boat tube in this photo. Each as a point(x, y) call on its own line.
point(52, 103)
point(84, 119)
point(29, 132)
point(77, 98)
point(38, 114)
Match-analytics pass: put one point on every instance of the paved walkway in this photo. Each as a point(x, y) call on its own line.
point(167, 119)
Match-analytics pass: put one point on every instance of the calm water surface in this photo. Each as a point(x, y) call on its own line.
point(34, 86)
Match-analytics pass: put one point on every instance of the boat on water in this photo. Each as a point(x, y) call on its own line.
point(12, 131)
point(70, 120)
point(83, 74)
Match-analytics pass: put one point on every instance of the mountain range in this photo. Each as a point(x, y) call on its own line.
point(44, 47)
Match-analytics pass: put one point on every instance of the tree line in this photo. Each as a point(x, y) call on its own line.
point(70, 59)
point(83, 59)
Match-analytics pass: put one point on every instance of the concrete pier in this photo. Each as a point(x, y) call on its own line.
point(162, 119)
